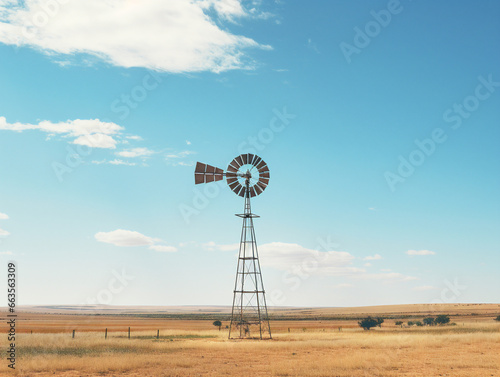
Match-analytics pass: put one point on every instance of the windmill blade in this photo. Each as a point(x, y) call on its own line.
point(204, 173)
point(199, 178)
point(200, 167)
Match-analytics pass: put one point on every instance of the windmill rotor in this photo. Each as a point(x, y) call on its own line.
point(245, 174)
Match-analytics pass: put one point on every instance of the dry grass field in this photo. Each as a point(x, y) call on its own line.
point(301, 344)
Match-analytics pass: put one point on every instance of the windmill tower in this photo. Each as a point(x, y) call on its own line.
point(248, 176)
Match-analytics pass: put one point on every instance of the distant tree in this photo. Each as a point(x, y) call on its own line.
point(497, 318)
point(398, 323)
point(442, 319)
point(218, 324)
point(380, 321)
point(418, 323)
point(429, 321)
point(368, 323)
point(411, 323)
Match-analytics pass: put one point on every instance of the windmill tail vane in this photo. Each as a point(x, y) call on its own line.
point(247, 176)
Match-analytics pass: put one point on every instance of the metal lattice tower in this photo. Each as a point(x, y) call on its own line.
point(248, 176)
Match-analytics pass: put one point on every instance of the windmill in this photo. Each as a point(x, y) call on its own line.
point(248, 176)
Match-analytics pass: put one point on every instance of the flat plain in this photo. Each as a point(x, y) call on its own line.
point(306, 342)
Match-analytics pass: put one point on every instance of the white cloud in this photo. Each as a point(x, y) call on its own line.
point(175, 159)
point(420, 252)
point(89, 132)
point(169, 36)
point(374, 257)
point(297, 259)
point(4, 216)
point(182, 154)
point(343, 285)
point(6, 253)
point(135, 152)
point(4, 233)
point(367, 265)
point(163, 248)
point(211, 246)
point(96, 141)
point(287, 256)
point(188, 142)
point(134, 137)
point(122, 237)
point(128, 238)
point(114, 162)
point(424, 288)
point(390, 276)
point(121, 162)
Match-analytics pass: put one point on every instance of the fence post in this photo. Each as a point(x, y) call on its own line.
point(73, 334)
point(106, 334)
point(158, 334)
point(129, 332)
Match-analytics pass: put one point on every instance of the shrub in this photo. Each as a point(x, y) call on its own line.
point(398, 323)
point(497, 318)
point(429, 321)
point(368, 323)
point(442, 319)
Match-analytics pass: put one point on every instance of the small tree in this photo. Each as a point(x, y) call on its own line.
point(368, 323)
point(398, 323)
point(218, 324)
point(380, 321)
point(411, 323)
point(497, 318)
point(418, 323)
point(442, 319)
point(429, 321)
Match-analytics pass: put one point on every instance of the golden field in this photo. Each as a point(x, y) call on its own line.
point(301, 344)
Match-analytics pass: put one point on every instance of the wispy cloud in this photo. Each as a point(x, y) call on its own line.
point(343, 285)
point(4, 233)
point(211, 246)
point(420, 252)
point(129, 238)
point(6, 253)
point(88, 132)
point(178, 158)
point(424, 288)
point(116, 161)
point(190, 39)
point(4, 216)
point(373, 257)
point(135, 152)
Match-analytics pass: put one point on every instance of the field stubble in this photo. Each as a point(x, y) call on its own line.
point(469, 349)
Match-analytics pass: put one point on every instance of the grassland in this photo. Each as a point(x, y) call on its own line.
point(300, 347)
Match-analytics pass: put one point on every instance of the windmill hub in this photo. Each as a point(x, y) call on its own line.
point(247, 176)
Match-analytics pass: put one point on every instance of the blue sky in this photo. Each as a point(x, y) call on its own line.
point(378, 120)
